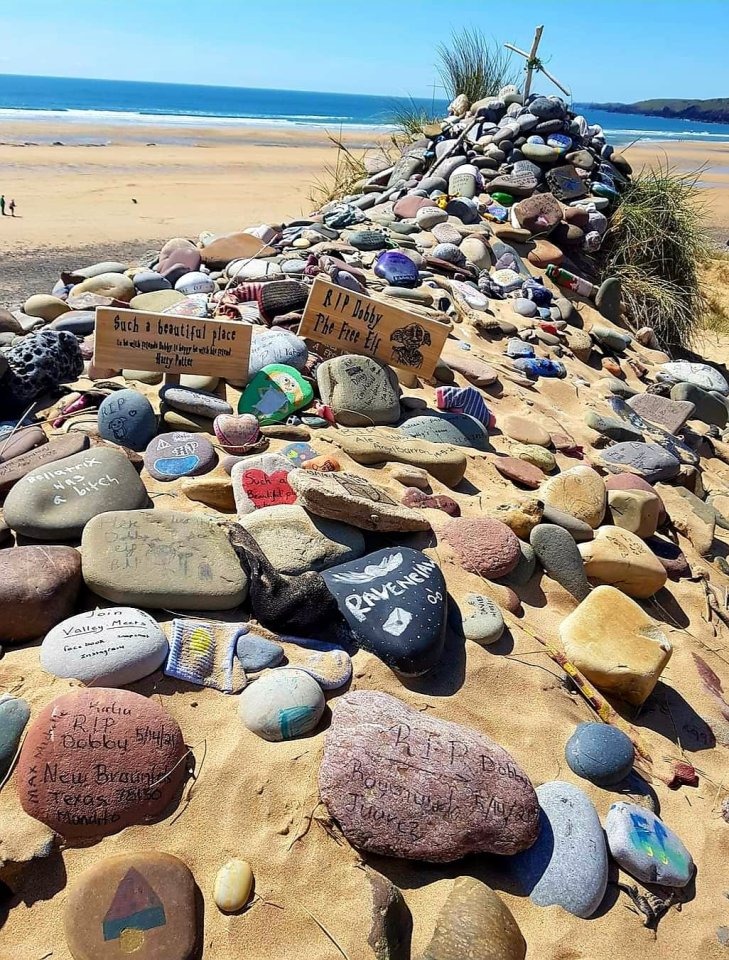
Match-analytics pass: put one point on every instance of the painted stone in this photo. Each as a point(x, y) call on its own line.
point(397, 268)
point(274, 393)
point(141, 905)
point(361, 391)
point(238, 434)
point(282, 705)
point(394, 601)
point(616, 644)
point(14, 714)
point(105, 648)
point(260, 482)
point(126, 417)
point(276, 346)
point(441, 790)
point(475, 916)
point(178, 454)
point(298, 453)
point(330, 666)
point(116, 754)
point(38, 589)
point(354, 500)
point(568, 864)
point(645, 847)
point(158, 558)
point(56, 502)
point(600, 753)
point(233, 886)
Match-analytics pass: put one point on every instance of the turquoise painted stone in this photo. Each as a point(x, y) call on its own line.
point(645, 847)
point(14, 714)
point(275, 393)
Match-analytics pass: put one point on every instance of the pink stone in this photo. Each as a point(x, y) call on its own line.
point(238, 434)
point(403, 783)
point(406, 207)
point(96, 761)
point(483, 545)
point(519, 471)
point(416, 498)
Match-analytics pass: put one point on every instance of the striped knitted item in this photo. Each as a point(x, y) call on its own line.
point(464, 400)
point(281, 296)
point(202, 652)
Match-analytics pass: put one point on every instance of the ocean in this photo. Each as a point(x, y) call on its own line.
point(187, 105)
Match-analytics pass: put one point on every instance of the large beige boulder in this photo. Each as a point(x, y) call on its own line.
point(620, 558)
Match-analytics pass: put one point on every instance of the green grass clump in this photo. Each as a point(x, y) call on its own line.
point(409, 117)
point(470, 63)
point(338, 179)
point(657, 244)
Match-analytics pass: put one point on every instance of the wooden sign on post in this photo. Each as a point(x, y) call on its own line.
point(354, 323)
point(162, 341)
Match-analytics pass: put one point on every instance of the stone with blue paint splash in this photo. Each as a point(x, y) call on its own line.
point(645, 847)
point(179, 454)
point(282, 705)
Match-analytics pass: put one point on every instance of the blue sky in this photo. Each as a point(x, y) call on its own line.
point(603, 50)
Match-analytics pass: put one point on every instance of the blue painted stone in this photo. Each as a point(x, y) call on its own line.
point(394, 602)
point(536, 367)
point(645, 847)
point(14, 714)
point(397, 269)
point(176, 466)
point(298, 453)
point(126, 417)
point(257, 653)
point(535, 138)
point(560, 142)
point(179, 454)
point(568, 865)
point(600, 753)
point(518, 348)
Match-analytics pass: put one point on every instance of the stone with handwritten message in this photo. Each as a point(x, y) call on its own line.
point(394, 601)
point(96, 761)
point(402, 783)
point(142, 904)
point(105, 648)
point(457, 429)
point(276, 346)
point(361, 391)
point(261, 481)
point(55, 502)
point(645, 847)
point(162, 558)
point(354, 500)
point(126, 417)
point(179, 454)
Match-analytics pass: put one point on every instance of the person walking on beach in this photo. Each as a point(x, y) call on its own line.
point(11, 208)
point(2, 205)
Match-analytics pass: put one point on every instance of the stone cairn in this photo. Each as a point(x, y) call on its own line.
point(277, 516)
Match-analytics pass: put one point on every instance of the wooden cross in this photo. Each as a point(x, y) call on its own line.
point(534, 63)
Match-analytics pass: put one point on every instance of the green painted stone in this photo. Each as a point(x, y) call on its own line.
point(14, 714)
point(505, 199)
point(275, 393)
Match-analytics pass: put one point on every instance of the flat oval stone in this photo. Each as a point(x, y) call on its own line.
point(483, 546)
point(579, 491)
point(525, 431)
point(117, 756)
point(56, 502)
point(519, 471)
point(486, 624)
point(38, 589)
point(647, 460)
point(140, 904)
point(126, 417)
point(20, 464)
point(282, 705)
point(645, 847)
point(457, 429)
point(699, 374)
point(433, 779)
point(394, 601)
point(14, 714)
point(22, 441)
point(397, 269)
point(199, 402)
point(257, 653)
point(179, 454)
point(260, 482)
point(159, 558)
point(558, 553)
point(474, 915)
point(600, 753)
point(330, 666)
point(568, 864)
point(276, 346)
point(105, 648)
point(233, 885)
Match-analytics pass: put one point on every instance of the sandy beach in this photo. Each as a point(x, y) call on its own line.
point(73, 199)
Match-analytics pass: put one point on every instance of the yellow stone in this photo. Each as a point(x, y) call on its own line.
point(216, 492)
point(616, 644)
point(233, 885)
point(620, 558)
point(579, 491)
point(636, 510)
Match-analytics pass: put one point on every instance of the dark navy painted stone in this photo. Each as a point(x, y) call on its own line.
point(126, 417)
point(179, 454)
point(397, 268)
point(600, 753)
point(458, 429)
point(14, 714)
point(394, 601)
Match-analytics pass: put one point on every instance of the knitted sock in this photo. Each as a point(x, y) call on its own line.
point(464, 400)
point(202, 652)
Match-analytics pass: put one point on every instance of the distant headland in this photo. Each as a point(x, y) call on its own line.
point(710, 111)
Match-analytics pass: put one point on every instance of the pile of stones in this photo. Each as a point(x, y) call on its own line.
point(360, 508)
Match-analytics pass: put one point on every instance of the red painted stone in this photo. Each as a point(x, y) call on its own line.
point(519, 471)
point(403, 783)
point(96, 761)
point(483, 545)
point(268, 489)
